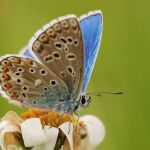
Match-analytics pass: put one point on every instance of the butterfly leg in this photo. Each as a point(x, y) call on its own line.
point(62, 114)
point(71, 121)
point(78, 117)
point(69, 126)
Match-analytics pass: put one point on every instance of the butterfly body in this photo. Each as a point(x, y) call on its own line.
point(55, 67)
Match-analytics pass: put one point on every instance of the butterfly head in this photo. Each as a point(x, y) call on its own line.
point(84, 100)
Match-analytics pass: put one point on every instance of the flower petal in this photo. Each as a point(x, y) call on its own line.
point(13, 139)
point(67, 129)
point(3, 124)
point(12, 118)
point(32, 132)
point(96, 129)
point(8, 128)
point(51, 135)
point(9, 123)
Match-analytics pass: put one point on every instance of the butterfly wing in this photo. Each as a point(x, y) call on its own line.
point(30, 84)
point(91, 27)
point(26, 52)
point(59, 47)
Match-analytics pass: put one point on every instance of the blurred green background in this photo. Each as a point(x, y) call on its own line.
point(122, 64)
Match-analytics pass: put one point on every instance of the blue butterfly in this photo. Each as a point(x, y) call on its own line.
point(55, 68)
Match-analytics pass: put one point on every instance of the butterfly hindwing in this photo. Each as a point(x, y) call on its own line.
point(30, 84)
point(59, 47)
point(91, 27)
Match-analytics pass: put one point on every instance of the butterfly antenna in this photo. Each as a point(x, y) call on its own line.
point(100, 93)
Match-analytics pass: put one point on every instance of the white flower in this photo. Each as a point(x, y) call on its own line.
point(95, 131)
point(86, 134)
point(44, 139)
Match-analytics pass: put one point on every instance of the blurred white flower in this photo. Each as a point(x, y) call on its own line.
point(95, 131)
point(38, 134)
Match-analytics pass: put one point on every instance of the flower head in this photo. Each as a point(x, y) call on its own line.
point(44, 130)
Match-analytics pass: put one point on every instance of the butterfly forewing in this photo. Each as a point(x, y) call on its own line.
point(59, 48)
point(31, 84)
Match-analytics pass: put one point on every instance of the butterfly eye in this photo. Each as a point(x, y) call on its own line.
point(84, 100)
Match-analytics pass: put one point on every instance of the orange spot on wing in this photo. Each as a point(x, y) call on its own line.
point(3, 69)
point(28, 61)
point(7, 63)
point(13, 95)
point(5, 77)
point(17, 60)
point(7, 86)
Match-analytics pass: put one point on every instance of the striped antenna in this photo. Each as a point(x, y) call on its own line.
point(100, 93)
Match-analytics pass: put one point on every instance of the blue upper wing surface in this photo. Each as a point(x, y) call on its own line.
point(26, 52)
point(91, 27)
